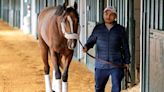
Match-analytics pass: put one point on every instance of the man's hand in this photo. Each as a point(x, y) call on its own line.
point(85, 49)
point(126, 66)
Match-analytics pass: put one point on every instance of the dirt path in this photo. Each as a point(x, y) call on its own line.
point(22, 68)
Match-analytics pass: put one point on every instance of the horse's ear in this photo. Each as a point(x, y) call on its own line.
point(75, 5)
point(65, 5)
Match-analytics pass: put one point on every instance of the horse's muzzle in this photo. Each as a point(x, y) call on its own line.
point(71, 43)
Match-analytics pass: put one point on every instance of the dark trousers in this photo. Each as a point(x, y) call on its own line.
point(102, 77)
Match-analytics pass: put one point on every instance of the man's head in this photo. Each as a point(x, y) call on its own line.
point(109, 15)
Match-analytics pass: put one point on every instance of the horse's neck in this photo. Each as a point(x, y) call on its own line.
point(58, 22)
point(55, 26)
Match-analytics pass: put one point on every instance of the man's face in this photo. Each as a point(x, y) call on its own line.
point(109, 17)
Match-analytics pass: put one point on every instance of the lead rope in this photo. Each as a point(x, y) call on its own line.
point(127, 75)
point(104, 61)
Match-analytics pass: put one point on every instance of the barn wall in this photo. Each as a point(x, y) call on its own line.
point(137, 38)
point(60, 2)
point(151, 45)
point(10, 12)
point(5, 10)
point(0, 9)
point(125, 10)
point(91, 15)
point(52, 3)
point(156, 64)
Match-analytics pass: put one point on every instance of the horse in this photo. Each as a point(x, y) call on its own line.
point(57, 34)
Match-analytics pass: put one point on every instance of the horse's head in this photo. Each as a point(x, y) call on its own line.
point(69, 25)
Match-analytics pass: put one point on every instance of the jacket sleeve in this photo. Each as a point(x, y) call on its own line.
point(125, 48)
point(91, 40)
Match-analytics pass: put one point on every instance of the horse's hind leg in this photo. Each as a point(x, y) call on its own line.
point(44, 53)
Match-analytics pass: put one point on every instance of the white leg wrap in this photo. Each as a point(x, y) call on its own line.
point(64, 87)
point(47, 83)
point(58, 85)
point(53, 81)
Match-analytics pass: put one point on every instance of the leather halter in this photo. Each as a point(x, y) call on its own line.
point(70, 35)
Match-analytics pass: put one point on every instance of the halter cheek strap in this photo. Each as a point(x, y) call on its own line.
point(69, 35)
point(71, 23)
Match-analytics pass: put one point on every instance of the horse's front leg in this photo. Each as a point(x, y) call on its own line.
point(68, 59)
point(56, 81)
point(44, 53)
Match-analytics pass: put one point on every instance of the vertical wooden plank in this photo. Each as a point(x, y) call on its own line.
point(126, 13)
point(37, 6)
point(153, 59)
point(141, 48)
point(115, 3)
point(2, 9)
point(42, 4)
point(161, 15)
point(152, 26)
point(21, 14)
point(91, 22)
point(110, 2)
point(148, 13)
point(60, 2)
point(118, 12)
point(91, 61)
point(123, 12)
point(6, 10)
point(131, 30)
point(156, 62)
point(17, 13)
point(51, 2)
point(34, 18)
point(156, 14)
point(11, 11)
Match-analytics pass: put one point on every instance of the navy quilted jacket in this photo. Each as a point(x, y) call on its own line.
point(111, 45)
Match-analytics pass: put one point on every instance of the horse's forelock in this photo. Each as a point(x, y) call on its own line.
point(71, 13)
point(71, 9)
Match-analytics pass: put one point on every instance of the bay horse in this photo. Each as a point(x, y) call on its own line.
point(57, 35)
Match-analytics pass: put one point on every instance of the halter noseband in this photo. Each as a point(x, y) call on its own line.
point(71, 35)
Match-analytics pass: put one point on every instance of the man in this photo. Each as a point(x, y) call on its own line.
point(111, 46)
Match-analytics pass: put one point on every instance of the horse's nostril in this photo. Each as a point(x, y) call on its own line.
point(71, 44)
